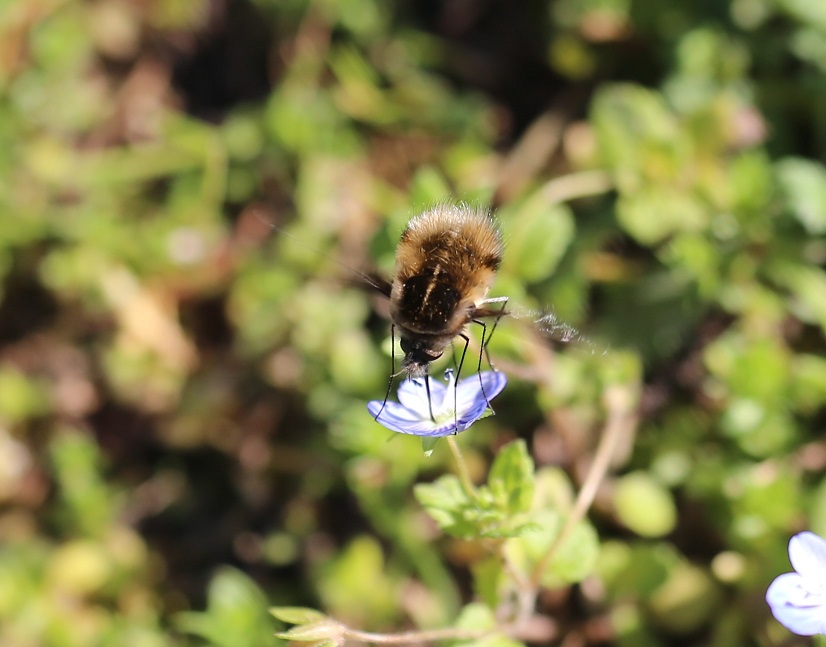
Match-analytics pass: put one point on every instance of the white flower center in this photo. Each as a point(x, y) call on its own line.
point(447, 411)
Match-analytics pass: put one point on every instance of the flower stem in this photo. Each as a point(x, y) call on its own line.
point(577, 185)
point(427, 636)
point(461, 467)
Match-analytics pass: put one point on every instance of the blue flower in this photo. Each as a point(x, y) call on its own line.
point(798, 600)
point(411, 414)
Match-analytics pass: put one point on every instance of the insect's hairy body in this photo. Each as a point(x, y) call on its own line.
point(446, 261)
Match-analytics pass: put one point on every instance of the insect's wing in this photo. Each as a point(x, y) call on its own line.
point(557, 332)
point(546, 324)
point(373, 280)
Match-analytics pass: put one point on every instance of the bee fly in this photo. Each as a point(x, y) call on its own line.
point(446, 260)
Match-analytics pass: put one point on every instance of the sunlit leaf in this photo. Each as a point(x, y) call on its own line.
point(644, 506)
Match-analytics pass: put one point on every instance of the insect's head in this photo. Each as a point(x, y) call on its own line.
point(418, 354)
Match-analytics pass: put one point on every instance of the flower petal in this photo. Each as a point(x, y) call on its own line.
point(398, 418)
point(807, 553)
point(413, 395)
point(484, 386)
point(795, 607)
point(411, 415)
point(393, 411)
point(444, 429)
point(471, 391)
point(472, 400)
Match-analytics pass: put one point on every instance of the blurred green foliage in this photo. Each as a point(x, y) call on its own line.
point(189, 190)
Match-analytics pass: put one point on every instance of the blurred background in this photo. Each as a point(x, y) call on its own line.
point(183, 432)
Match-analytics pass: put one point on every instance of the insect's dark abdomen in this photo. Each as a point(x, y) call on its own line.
point(429, 303)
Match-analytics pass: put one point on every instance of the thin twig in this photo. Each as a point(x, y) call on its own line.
point(620, 419)
point(425, 636)
point(577, 185)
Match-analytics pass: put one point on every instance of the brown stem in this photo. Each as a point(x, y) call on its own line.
point(618, 401)
point(426, 636)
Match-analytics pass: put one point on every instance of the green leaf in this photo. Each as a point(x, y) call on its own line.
point(20, 396)
point(297, 615)
point(759, 429)
point(809, 382)
point(817, 514)
point(696, 255)
point(575, 559)
point(710, 54)
point(808, 285)
point(553, 490)
point(497, 640)
point(446, 502)
point(511, 478)
point(236, 612)
point(487, 515)
point(445, 492)
point(84, 495)
point(476, 616)
point(803, 182)
point(761, 371)
point(811, 14)
point(751, 184)
point(654, 213)
point(326, 630)
point(644, 506)
point(428, 445)
point(761, 501)
point(635, 570)
point(687, 600)
point(572, 561)
point(487, 575)
point(479, 617)
point(538, 234)
point(357, 584)
point(637, 135)
point(428, 188)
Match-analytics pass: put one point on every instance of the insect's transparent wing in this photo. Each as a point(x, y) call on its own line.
point(552, 329)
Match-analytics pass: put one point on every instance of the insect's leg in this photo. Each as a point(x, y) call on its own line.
point(429, 400)
point(456, 381)
point(392, 369)
point(479, 362)
point(458, 369)
point(486, 338)
point(453, 352)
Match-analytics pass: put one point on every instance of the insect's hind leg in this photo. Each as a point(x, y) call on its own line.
point(456, 382)
point(430, 400)
point(392, 370)
point(486, 337)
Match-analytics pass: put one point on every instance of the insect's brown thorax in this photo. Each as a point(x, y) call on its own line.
point(446, 261)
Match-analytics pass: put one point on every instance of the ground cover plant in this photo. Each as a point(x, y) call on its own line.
point(189, 190)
